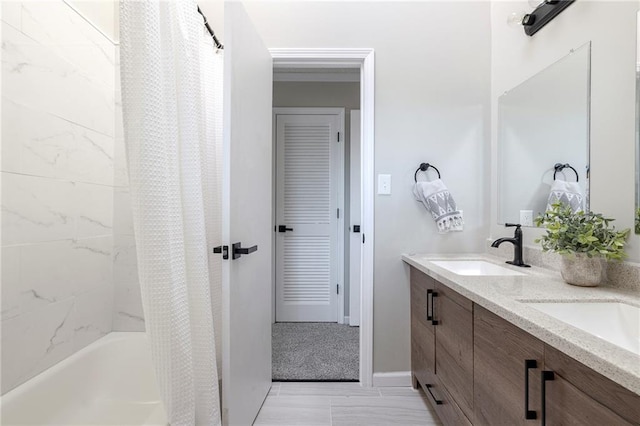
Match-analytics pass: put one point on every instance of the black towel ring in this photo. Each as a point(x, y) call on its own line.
point(558, 167)
point(424, 167)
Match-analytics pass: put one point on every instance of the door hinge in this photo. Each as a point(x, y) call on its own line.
point(337, 288)
point(338, 213)
point(338, 136)
point(362, 238)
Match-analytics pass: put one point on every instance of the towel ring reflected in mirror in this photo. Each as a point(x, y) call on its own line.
point(558, 167)
point(423, 168)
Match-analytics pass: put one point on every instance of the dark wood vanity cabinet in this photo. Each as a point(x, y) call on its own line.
point(507, 363)
point(442, 348)
point(576, 395)
point(423, 352)
point(423, 349)
point(454, 346)
point(477, 368)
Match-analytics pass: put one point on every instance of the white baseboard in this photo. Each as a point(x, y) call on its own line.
point(397, 378)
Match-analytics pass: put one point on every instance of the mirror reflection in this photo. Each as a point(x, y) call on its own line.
point(543, 141)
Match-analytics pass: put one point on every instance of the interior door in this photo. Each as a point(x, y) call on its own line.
point(246, 219)
point(309, 173)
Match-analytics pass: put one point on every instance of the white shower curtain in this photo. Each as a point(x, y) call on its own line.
point(172, 97)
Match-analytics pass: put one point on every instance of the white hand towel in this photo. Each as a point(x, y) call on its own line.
point(567, 193)
point(438, 201)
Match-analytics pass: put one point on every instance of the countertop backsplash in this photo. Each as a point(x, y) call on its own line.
point(623, 275)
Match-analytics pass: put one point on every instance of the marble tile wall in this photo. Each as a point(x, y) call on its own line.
point(58, 176)
point(127, 313)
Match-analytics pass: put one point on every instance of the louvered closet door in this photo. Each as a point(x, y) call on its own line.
point(308, 175)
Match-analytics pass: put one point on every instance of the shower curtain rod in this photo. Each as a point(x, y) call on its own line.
point(208, 27)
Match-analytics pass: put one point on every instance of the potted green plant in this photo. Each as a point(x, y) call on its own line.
point(586, 240)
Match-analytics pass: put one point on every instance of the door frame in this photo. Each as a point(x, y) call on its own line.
point(362, 59)
point(355, 206)
point(340, 112)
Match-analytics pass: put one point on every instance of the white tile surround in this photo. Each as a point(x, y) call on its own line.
point(127, 314)
point(60, 229)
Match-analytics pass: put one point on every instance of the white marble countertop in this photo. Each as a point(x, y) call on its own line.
point(503, 295)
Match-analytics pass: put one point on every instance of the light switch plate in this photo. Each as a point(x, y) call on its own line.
point(384, 184)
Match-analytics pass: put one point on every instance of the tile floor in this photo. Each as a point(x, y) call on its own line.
point(347, 404)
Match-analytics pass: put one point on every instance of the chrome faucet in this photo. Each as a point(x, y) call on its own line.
point(517, 245)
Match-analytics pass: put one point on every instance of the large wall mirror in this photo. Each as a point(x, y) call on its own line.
point(543, 140)
point(637, 212)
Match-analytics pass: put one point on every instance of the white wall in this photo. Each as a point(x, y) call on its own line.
point(57, 186)
point(432, 104)
point(611, 26)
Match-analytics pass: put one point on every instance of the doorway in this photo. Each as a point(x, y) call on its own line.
point(362, 62)
point(312, 336)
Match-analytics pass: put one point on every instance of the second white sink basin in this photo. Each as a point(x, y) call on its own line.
point(475, 268)
point(618, 323)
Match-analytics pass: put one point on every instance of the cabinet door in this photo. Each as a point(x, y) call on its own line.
point(423, 353)
point(500, 351)
point(567, 405)
point(580, 396)
point(454, 346)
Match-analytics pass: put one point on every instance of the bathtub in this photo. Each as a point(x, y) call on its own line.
point(110, 382)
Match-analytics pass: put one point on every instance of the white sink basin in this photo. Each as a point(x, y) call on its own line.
point(474, 268)
point(614, 322)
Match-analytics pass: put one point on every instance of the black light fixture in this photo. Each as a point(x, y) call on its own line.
point(540, 16)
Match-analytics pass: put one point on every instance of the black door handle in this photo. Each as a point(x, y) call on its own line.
point(283, 228)
point(222, 249)
point(238, 250)
point(528, 364)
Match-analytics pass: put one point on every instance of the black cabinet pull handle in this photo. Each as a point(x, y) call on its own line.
point(283, 228)
point(434, 321)
point(238, 250)
point(429, 316)
point(545, 377)
point(437, 401)
point(528, 364)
